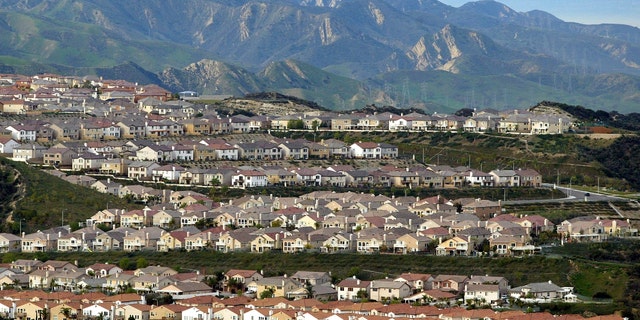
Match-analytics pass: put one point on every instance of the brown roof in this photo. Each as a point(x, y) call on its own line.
point(240, 272)
point(236, 301)
point(415, 276)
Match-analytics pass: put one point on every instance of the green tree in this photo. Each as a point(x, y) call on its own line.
point(124, 263)
point(295, 124)
point(267, 293)
point(141, 263)
point(308, 289)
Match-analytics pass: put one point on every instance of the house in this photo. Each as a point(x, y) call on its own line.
point(14, 106)
point(337, 148)
point(583, 229)
point(23, 132)
point(174, 240)
point(529, 178)
point(544, 291)
point(167, 311)
point(312, 277)
point(505, 178)
point(240, 277)
point(39, 242)
point(7, 144)
point(342, 122)
point(352, 289)
point(483, 209)
point(485, 289)
point(418, 281)
point(388, 290)
point(411, 242)
point(103, 270)
point(143, 239)
point(107, 186)
point(9, 243)
point(99, 310)
point(294, 150)
point(249, 179)
point(28, 152)
point(339, 243)
point(135, 311)
point(277, 286)
point(259, 150)
point(185, 288)
point(65, 311)
point(170, 172)
point(454, 247)
point(332, 178)
point(196, 313)
point(30, 310)
point(87, 162)
point(141, 170)
point(511, 245)
point(445, 282)
point(477, 178)
point(295, 244)
point(115, 166)
point(365, 150)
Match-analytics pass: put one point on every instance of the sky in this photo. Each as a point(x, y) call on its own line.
point(581, 11)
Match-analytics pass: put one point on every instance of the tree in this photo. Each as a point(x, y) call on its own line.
point(66, 312)
point(362, 295)
point(308, 289)
point(267, 293)
point(141, 263)
point(295, 124)
point(464, 112)
point(124, 263)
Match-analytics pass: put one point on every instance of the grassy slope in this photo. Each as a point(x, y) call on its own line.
point(46, 197)
point(83, 45)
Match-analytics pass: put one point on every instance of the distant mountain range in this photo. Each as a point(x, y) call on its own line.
point(340, 53)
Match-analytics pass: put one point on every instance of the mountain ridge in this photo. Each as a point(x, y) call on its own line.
point(358, 39)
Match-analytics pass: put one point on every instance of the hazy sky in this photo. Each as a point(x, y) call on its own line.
point(581, 11)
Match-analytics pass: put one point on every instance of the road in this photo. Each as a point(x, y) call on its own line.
point(572, 195)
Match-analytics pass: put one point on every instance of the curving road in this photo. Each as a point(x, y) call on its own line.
point(572, 195)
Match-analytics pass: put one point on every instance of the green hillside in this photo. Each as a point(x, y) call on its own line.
point(46, 41)
point(41, 199)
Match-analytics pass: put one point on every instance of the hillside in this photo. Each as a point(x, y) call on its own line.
point(40, 199)
point(404, 53)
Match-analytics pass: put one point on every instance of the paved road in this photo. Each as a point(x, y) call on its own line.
point(572, 195)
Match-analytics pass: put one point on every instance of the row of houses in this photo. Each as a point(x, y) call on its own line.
point(250, 177)
point(154, 126)
point(137, 111)
point(90, 156)
point(320, 221)
point(516, 121)
point(52, 88)
point(423, 295)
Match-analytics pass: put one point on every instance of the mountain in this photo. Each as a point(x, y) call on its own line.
point(193, 43)
point(290, 77)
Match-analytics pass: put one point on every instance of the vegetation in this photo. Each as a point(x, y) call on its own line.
point(619, 159)
point(40, 200)
point(588, 277)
